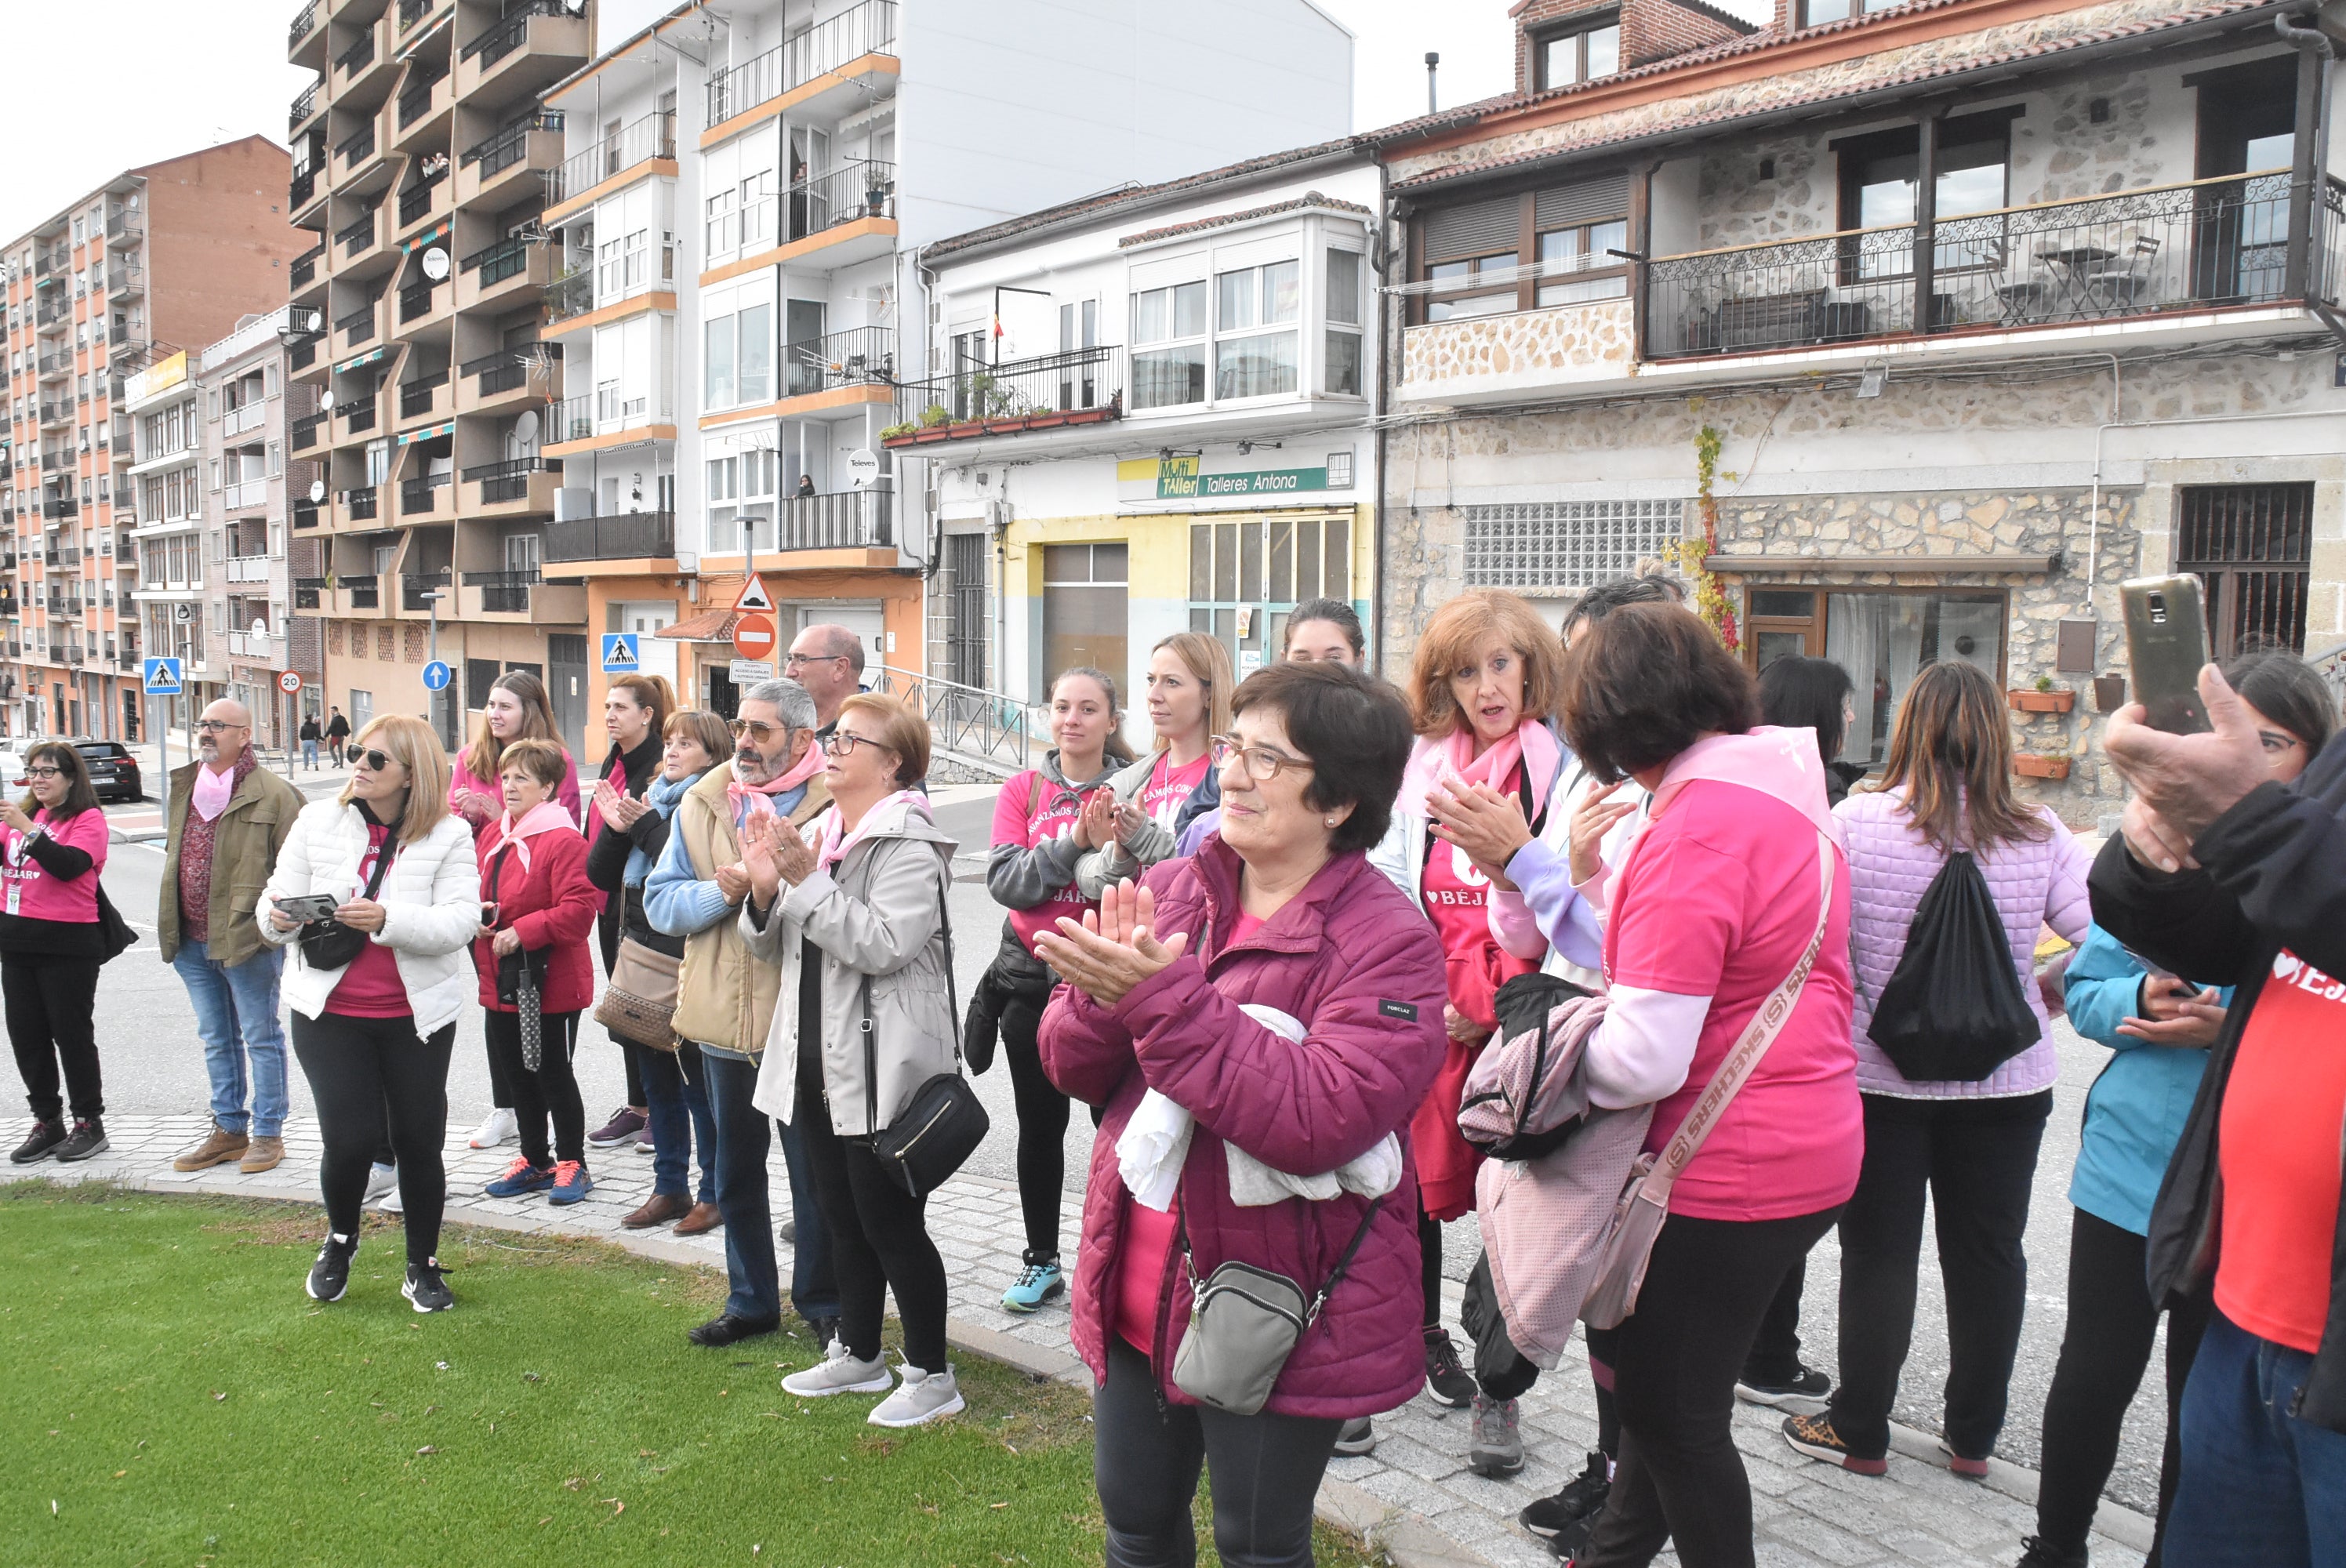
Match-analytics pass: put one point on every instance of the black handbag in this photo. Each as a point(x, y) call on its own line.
point(1016, 975)
point(328, 944)
point(944, 1121)
point(1952, 1009)
point(114, 932)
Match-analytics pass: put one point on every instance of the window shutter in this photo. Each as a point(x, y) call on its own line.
point(1590, 201)
point(1477, 229)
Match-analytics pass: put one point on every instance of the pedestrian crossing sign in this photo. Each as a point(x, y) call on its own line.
point(620, 653)
point(163, 678)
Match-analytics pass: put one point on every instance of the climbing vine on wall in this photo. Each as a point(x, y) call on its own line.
point(1688, 556)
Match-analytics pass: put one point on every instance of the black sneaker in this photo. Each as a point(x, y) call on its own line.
point(1809, 1387)
point(1580, 1498)
point(44, 1138)
point(330, 1275)
point(1446, 1382)
point(425, 1289)
point(1567, 1544)
point(2038, 1552)
point(88, 1138)
point(1357, 1437)
point(723, 1330)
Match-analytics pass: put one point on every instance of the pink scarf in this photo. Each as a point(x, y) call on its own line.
point(749, 801)
point(1450, 762)
point(542, 818)
point(833, 840)
point(212, 791)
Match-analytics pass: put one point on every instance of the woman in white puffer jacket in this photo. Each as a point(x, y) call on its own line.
point(373, 1032)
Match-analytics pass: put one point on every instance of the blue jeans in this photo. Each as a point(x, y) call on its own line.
point(244, 1044)
point(675, 1089)
point(743, 1137)
point(309, 754)
point(2261, 1487)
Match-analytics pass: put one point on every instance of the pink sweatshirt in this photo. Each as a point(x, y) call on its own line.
point(461, 781)
point(28, 891)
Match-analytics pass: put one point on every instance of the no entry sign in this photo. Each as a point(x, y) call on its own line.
point(753, 637)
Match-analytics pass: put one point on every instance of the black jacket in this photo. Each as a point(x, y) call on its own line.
point(635, 770)
point(2273, 876)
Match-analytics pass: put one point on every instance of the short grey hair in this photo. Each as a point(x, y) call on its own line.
point(792, 703)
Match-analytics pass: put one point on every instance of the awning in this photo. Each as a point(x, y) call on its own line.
point(1938, 566)
point(709, 627)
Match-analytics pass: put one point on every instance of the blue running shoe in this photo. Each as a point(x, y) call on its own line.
point(521, 1178)
point(571, 1181)
point(1036, 1283)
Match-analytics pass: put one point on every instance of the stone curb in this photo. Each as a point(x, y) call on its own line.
point(1400, 1535)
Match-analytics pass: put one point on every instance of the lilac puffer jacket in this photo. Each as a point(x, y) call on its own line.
point(2035, 882)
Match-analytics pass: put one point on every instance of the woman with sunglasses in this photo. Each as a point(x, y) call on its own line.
point(373, 1032)
point(52, 847)
point(518, 710)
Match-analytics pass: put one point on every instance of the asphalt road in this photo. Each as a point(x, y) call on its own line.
point(154, 1064)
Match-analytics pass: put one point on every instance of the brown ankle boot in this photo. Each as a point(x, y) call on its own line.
point(658, 1210)
point(218, 1147)
point(705, 1217)
point(265, 1153)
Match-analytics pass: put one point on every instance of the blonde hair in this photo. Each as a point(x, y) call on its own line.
point(902, 731)
point(1209, 663)
point(410, 742)
point(1453, 639)
point(485, 758)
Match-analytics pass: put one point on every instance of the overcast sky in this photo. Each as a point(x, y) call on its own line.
point(174, 75)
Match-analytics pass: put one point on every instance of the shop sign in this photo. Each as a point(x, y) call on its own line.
point(1187, 479)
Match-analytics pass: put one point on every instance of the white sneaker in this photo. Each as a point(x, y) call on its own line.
point(391, 1203)
point(498, 1128)
point(921, 1398)
point(840, 1373)
point(380, 1179)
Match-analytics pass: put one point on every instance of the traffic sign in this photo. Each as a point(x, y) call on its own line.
point(749, 671)
point(753, 595)
point(163, 678)
point(290, 682)
point(753, 637)
point(620, 654)
point(437, 674)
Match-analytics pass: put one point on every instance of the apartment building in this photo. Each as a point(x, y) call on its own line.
point(735, 236)
point(1919, 326)
point(166, 544)
point(165, 255)
point(1157, 421)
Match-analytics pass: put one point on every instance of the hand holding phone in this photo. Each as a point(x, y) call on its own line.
point(308, 906)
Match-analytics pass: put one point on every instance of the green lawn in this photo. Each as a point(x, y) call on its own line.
point(172, 1397)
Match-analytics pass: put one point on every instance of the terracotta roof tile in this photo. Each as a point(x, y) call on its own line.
point(1224, 220)
point(708, 627)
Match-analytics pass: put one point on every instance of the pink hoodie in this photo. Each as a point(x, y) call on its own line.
point(1712, 905)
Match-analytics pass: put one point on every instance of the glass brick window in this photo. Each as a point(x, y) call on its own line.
point(1545, 546)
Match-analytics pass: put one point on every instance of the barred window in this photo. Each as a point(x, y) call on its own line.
point(1565, 544)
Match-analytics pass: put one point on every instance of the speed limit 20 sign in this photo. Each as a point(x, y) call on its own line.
point(290, 682)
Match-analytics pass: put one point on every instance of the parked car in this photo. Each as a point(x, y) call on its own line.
point(11, 762)
point(113, 770)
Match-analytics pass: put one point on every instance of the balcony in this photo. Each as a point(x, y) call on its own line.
point(867, 29)
point(859, 357)
point(423, 397)
point(428, 94)
point(410, 12)
point(305, 514)
point(532, 144)
point(568, 297)
point(421, 592)
point(302, 271)
point(624, 536)
point(523, 593)
point(359, 414)
point(307, 592)
point(305, 431)
point(650, 138)
point(358, 238)
point(261, 647)
point(356, 148)
point(305, 105)
point(515, 486)
point(358, 592)
point(512, 267)
point(358, 327)
point(1081, 386)
point(244, 417)
point(249, 568)
point(418, 202)
point(360, 505)
point(506, 381)
point(538, 42)
point(841, 520)
point(303, 190)
point(355, 59)
point(125, 226)
point(244, 494)
point(606, 412)
point(850, 209)
point(305, 23)
point(421, 498)
point(415, 301)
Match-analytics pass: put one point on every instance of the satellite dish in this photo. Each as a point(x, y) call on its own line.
point(525, 426)
point(435, 264)
point(577, 8)
point(317, 490)
point(260, 628)
point(326, 398)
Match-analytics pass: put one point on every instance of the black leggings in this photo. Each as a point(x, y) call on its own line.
point(633, 1056)
point(1042, 1128)
point(1146, 1455)
point(51, 1006)
point(1681, 1479)
point(372, 1079)
point(879, 1233)
point(552, 1089)
point(2113, 1323)
point(1775, 1357)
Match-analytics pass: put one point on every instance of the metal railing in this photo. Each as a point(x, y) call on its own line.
point(305, 22)
point(503, 371)
point(125, 223)
point(306, 591)
point(357, 146)
point(366, 590)
point(356, 236)
point(1076, 382)
point(415, 494)
point(985, 725)
point(359, 412)
point(305, 431)
point(604, 412)
point(304, 105)
point(504, 593)
point(505, 481)
point(2195, 245)
point(860, 188)
point(508, 34)
point(303, 270)
point(416, 589)
point(416, 200)
point(304, 187)
point(867, 29)
point(410, 12)
point(495, 263)
point(839, 520)
point(358, 57)
point(624, 536)
point(511, 143)
point(357, 327)
point(859, 356)
point(416, 299)
point(653, 135)
point(362, 502)
point(305, 514)
point(416, 394)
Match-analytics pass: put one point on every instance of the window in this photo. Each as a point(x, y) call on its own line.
point(1582, 55)
point(1878, 188)
point(1535, 248)
point(1583, 249)
point(1246, 573)
point(1816, 13)
point(738, 364)
point(1882, 638)
point(2251, 547)
point(1174, 373)
point(1551, 546)
point(1264, 364)
point(1341, 366)
point(1083, 607)
point(621, 264)
point(741, 499)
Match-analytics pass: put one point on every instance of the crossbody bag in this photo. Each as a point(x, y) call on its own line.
point(1245, 1322)
point(943, 1124)
point(328, 944)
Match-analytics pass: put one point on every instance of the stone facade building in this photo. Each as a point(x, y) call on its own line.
point(1930, 322)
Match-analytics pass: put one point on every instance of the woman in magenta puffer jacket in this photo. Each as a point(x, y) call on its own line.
point(1277, 1039)
point(1971, 1144)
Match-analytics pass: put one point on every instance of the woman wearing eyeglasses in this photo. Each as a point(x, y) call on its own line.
point(855, 922)
point(372, 1032)
point(52, 847)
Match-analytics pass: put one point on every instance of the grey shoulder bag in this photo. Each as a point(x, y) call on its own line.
point(1244, 1322)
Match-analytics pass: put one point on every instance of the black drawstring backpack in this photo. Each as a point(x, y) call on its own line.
point(1953, 1010)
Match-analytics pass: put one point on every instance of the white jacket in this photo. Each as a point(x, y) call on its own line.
point(431, 908)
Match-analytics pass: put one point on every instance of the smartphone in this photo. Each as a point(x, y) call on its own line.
point(308, 906)
point(2167, 645)
point(488, 914)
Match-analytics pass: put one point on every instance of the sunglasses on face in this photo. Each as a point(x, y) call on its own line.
point(758, 733)
point(378, 761)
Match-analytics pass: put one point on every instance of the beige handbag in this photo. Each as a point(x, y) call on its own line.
point(639, 1003)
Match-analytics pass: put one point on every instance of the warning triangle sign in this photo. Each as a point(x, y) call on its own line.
point(753, 595)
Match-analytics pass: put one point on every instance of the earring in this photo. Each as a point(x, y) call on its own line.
point(1330, 821)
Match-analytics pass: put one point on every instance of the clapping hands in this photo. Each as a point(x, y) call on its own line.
point(1109, 952)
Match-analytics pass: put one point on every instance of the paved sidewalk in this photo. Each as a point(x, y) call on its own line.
point(1808, 1513)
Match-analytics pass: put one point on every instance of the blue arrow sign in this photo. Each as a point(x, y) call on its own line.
point(436, 676)
point(163, 678)
point(620, 654)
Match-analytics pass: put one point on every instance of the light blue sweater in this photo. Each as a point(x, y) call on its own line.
point(2136, 1108)
point(676, 900)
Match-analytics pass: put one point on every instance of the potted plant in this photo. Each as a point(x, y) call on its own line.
point(2042, 764)
point(2043, 698)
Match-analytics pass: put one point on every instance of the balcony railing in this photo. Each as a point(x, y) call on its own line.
point(305, 22)
point(495, 263)
point(415, 494)
point(508, 36)
point(410, 12)
point(868, 29)
point(416, 200)
point(416, 301)
point(858, 188)
point(415, 98)
point(571, 295)
point(305, 186)
point(604, 412)
point(244, 417)
point(248, 568)
point(841, 520)
point(266, 647)
point(357, 146)
point(305, 514)
point(509, 146)
point(303, 107)
point(356, 236)
point(2193, 246)
point(654, 135)
point(244, 493)
point(624, 536)
point(504, 370)
point(303, 270)
point(305, 431)
point(416, 590)
point(357, 327)
point(860, 356)
point(358, 57)
point(503, 592)
point(361, 504)
point(416, 394)
point(306, 591)
point(359, 413)
point(1079, 386)
point(506, 481)
point(365, 591)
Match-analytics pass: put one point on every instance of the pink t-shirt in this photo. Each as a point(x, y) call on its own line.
point(370, 987)
point(1031, 810)
point(27, 888)
point(1718, 899)
point(1169, 787)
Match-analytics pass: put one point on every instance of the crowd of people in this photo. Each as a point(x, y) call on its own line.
point(1287, 958)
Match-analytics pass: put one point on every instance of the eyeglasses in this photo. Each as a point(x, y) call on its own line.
point(1262, 763)
point(799, 658)
point(842, 743)
point(378, 761)
point(2274, 740)
point(216, 726)
point(44, 773)
point(756, 730)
